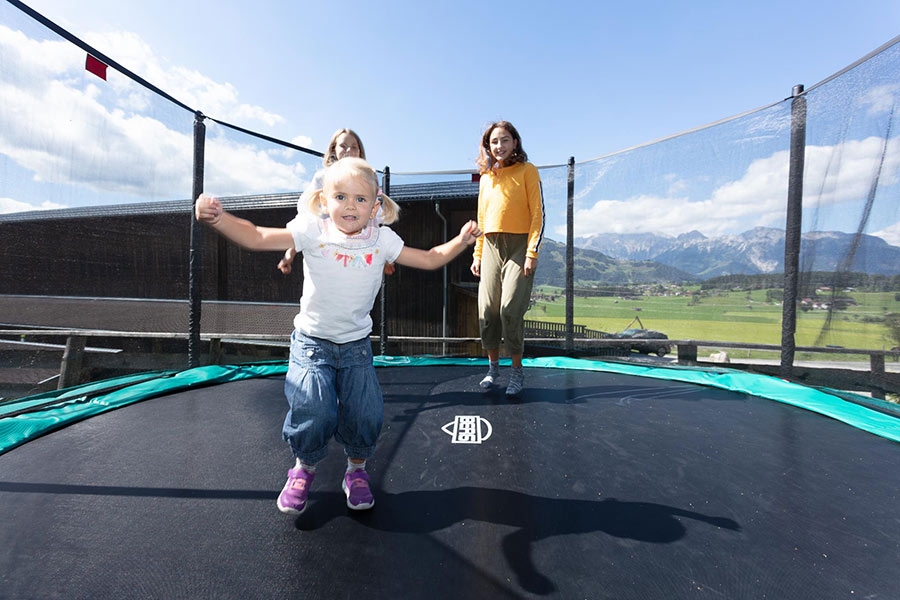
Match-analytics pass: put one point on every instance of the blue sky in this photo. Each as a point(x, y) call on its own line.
point(419, 81)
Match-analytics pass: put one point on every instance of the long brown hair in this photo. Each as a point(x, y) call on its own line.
point(486, 161)
point(331, 153)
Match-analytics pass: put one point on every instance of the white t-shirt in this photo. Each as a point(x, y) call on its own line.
point(341, 276)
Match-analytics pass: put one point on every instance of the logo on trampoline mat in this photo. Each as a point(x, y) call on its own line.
point(468, 429)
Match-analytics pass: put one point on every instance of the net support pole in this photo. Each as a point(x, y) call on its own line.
point(382, 338)
point(195, 276)
point(445, 281)
point(792, 230)
point(570, 257)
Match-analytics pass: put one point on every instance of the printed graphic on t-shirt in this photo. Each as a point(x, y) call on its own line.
point(349, 258)
point(356, 251)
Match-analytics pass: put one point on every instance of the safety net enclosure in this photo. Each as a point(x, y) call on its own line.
point(712, 203)
point(689, 236)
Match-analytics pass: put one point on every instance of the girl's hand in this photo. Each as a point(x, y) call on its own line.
point(286, 262)
point(469, 233)
point(208, 209)
point(476, 268)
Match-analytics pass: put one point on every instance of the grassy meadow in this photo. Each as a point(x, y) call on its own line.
point(736, 316)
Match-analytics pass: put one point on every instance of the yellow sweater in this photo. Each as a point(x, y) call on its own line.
point(510, 200)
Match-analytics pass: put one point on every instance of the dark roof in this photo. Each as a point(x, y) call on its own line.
point(441, 190)
point(414, 192)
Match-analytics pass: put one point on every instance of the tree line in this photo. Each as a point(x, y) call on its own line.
point(809, 282)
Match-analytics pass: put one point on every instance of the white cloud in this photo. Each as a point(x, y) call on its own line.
point(880, 99)
point(844, 173)
point(234, 166)
point(890, 234)
point(597, 172)
point(218, 100)
point(836, 177)
point(303, 141)
point(759, 196)
point(63, 125)
point(8, 205)
point(676, 184)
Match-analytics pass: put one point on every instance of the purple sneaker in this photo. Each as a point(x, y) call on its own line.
point(356, 487)
point(292, 499)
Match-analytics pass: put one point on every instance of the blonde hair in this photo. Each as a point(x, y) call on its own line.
point(354, 167)
point(331, 152)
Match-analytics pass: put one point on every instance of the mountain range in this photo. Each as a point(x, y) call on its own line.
point(656, 258)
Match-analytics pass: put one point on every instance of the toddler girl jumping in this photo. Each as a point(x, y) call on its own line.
point(331, 386)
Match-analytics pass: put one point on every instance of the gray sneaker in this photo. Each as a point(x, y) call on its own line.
point(491, 377)
point(516, 381)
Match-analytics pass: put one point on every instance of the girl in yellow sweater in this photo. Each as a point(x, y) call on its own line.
point(511, 215)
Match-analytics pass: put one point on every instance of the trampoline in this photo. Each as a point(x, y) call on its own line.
point(603, 480)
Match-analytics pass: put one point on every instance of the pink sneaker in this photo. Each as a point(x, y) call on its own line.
point(292, 499)
point(356, 487)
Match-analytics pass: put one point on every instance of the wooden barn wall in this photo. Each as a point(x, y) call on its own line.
point(146, 256)
point(128, 256)
point(414, 298)
point(234, 274)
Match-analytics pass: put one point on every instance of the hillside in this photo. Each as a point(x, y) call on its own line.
point(592, 267)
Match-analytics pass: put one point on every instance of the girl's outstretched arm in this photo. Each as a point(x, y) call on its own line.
point(241, 231)
point(440, 255)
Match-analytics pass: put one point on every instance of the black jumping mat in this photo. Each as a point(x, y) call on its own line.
point(590, 485)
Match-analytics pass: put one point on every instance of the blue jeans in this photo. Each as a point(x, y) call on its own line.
point(332, 391)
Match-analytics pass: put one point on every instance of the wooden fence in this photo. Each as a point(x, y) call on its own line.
point(76, 360)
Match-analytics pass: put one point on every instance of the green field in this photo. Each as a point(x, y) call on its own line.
point(736, 316)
